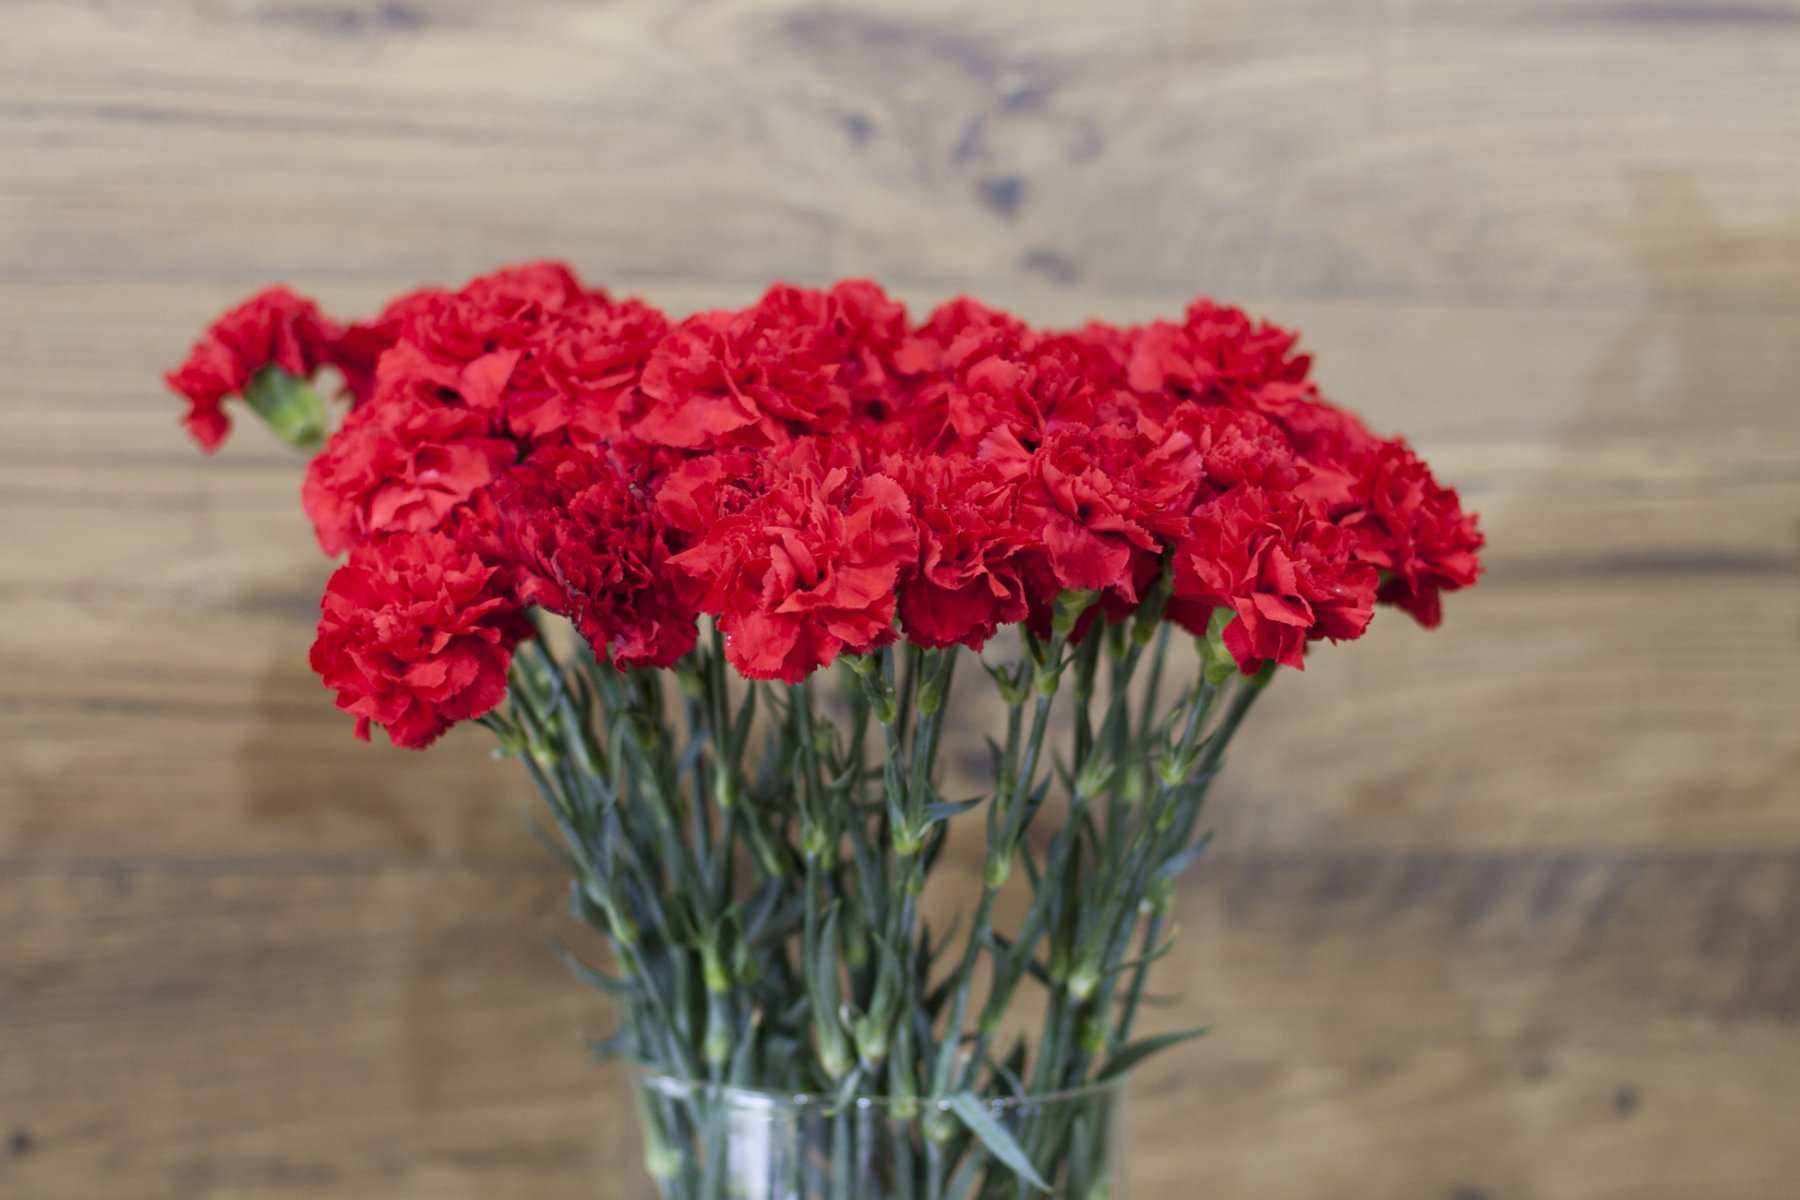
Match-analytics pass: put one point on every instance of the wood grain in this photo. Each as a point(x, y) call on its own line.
point(1502, 912)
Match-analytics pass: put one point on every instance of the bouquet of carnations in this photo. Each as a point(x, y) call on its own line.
point(710, 580)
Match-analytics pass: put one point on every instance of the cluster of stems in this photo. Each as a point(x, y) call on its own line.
point(756, 855)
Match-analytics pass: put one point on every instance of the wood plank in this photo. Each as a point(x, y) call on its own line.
point(1524, 150)
point(344, 1030)
point(1386, 1024)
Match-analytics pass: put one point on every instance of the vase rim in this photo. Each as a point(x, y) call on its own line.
point(760, 1097)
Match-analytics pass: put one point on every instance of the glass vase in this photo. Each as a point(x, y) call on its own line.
point(707, 1141)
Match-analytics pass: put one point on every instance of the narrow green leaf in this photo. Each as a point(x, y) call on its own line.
point(943, 810)
point(994, 1136)
point(1130, 1056)
point(586, 972)
point(1180, 861)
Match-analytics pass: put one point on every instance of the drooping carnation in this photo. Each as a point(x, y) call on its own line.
point(415, 635)
point(402, 466)
point(1415, 530)
point(583, 535)
point(970, 575)
point(1290, 576)
point(796, 552)
point(274, 328)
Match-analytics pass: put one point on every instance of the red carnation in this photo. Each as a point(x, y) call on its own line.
point(796, 553)
point(273, 328)
point(1289, 575)
point(871, 331)
point(527, 346)
point(1099, 499)
point(1217, 355)
point(760, 377)
point(1237, 447)
point(583, 535)
point(591, 372)
point(415, 635)
point(1415, 530)
point(399, 466)
point(969, 580)
point(454, 328)
point(975, 366)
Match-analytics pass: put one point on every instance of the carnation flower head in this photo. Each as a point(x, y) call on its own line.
point(1235, 446)
point(582, 531)
point(1216, 355)
point(537, 354)
point(973, 548)
point(760, 377)
point(1415, 530)
point(972, 363)
point(274, 328)
point(1290, 576)
point(402, 466)
point(795, 552)
point(1106, 351)
point(416, 634)
point(1102, 500)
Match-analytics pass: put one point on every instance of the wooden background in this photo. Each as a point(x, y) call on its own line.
point(1508, 912)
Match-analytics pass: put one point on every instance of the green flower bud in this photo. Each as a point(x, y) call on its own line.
point(1014, 689)
point(1096, 775)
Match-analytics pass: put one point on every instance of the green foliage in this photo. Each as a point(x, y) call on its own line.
point(755, 856)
